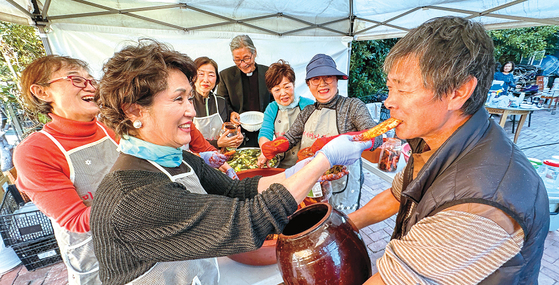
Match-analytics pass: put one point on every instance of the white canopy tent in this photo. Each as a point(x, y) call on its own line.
point(290, 30)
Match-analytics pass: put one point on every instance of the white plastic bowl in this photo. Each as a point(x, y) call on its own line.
point(252, 120)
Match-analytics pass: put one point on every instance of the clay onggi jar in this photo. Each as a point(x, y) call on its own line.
point(320, 245)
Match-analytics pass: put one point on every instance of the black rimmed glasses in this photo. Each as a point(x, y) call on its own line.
point(245, 60)
point(78, 81)
point(327, 79)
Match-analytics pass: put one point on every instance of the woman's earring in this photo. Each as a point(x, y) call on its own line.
point(137, 124)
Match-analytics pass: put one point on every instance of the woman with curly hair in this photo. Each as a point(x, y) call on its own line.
point(162, 215)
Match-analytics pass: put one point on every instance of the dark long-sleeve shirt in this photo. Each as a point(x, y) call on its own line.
point(140, 217)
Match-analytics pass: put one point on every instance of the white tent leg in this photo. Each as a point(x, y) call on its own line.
point(45, 40)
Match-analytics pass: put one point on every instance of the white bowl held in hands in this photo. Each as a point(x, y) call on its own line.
point(252, 120)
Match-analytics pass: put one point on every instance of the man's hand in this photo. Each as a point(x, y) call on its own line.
point(235, 118)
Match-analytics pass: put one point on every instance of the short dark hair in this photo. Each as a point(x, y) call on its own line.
point(277, 71)
point(450, 50)
point(503, 66)
point(39, 72)
point(133, 76)
point(203, 60)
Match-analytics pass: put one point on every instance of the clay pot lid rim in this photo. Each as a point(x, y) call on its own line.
point(313, 228)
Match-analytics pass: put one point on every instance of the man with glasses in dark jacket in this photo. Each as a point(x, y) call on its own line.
point(244, 85)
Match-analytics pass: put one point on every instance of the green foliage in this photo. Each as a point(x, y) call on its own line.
point(367, 81)
point(366, 78)
point(512, 44)
point(20, 46)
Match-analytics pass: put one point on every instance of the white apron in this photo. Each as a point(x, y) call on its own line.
point(284, 120)
point(191, 272)
point(88, 165)
point(347, 190)
point(209, 126)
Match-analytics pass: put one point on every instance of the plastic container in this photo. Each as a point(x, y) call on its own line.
point(252, 120)
point(27, 231)
point(389, 155)
point(551, 175)
point(38, 253)
point(21, 223)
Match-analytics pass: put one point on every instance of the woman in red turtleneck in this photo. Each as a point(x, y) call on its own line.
point(60, 166)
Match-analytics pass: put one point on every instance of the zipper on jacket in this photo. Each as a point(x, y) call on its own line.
point(407, 217)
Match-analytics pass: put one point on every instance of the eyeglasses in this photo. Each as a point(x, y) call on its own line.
point(245, 60)
point(78, 81)
point(327, 79)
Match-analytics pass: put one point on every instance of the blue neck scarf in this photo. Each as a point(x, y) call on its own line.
point(290, 106)
point(163, 155)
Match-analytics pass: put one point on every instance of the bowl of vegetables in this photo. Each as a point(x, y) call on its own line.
point(246, 158)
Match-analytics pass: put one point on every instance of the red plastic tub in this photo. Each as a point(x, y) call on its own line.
point(266, 255)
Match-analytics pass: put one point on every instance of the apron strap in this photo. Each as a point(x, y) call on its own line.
point(106, 133)
point(66, 155)
point(171, 177)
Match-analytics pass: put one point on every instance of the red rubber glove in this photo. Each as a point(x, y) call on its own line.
point(271, 148)
point(320, 142)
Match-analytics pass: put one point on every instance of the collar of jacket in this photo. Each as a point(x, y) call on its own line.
point(463, 140)
point(330, 104)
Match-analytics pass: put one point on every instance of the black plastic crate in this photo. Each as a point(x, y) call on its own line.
point(11, 201)
point(18, 225)
point(38, 253)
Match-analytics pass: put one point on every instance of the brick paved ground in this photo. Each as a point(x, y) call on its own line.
point(540, 140)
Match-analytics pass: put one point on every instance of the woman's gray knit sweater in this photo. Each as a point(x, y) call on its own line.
point(139, 217)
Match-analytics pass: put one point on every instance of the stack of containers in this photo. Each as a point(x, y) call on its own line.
point(27, 231)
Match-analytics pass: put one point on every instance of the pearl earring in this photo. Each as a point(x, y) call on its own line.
point(137, 124)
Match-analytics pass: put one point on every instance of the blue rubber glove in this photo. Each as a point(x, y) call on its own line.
point(344, 151)
point(298, 166)
point(213, 158)
point(232, 174)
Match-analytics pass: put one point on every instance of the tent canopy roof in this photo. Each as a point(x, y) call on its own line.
point(355, 19)
point(293, 30)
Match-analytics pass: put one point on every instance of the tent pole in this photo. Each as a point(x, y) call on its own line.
point(45, 40)
point(351, 18)
point(41, 24)
point(351, 23)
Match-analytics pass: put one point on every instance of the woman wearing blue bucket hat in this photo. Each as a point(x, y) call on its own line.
point(330, 115)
